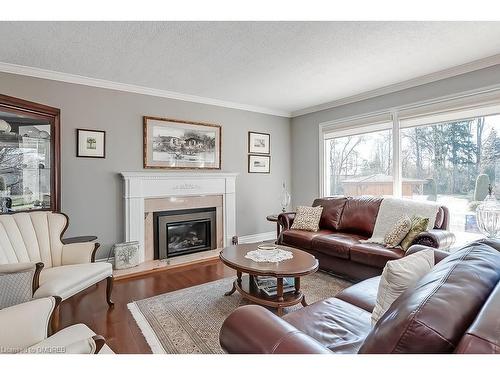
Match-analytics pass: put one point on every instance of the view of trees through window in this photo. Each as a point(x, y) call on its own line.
point(360, 164)
point(451, 163)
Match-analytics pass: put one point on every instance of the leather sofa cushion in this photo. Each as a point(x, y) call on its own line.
point(432, 316)
point(336, 324)
point(483, 337)
point(332, 211)
point(336, 244)
point(359, 215)
point(301, 239)
point(362, 294)
point(373, 254)
point(65, 281)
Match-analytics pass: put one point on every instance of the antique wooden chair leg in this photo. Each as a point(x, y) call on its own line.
point(109, 290)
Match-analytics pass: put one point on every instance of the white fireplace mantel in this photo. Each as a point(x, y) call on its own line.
point(142, 185)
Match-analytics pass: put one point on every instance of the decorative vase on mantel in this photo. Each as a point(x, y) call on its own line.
point(285, 198)
point(488, 215)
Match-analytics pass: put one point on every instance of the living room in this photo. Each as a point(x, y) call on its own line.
point(273, 186)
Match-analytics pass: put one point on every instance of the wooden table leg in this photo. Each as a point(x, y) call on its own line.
point(280, 295)
point(297, 285)
point(238, 280)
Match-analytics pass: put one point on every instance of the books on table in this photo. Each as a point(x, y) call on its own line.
point(269, 284)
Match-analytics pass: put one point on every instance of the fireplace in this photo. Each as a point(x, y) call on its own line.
point(182, 232)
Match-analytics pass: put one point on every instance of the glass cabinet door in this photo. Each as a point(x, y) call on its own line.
point(27, 152)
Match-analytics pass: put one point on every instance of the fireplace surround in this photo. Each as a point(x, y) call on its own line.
point(148, 192)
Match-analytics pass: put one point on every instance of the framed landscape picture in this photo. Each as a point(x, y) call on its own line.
point(177, 144)
point(259, 164)
point(90, 143)
point(259, 143)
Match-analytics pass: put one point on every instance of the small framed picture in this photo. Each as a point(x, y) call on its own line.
point(90, 143)
point(259, 164)
point(259, 143)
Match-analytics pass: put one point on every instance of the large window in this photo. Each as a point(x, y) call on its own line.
point(443, 155)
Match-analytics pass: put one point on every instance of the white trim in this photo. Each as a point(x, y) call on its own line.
point(258, 237)
point(146, 329)
point(414, 82)
point(397, 171)
point(111, 85)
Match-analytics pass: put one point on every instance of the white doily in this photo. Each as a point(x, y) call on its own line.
point(276, 255)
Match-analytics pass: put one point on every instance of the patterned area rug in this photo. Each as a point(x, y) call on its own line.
point(189, 320)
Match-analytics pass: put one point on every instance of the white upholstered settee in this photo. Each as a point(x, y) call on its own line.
point(25, 328)
point(35, 239)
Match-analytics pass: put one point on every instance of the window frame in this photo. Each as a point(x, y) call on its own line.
point(470, 104)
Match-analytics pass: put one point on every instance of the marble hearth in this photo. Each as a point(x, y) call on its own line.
point(149, 192)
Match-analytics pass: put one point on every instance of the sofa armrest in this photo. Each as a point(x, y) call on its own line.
point(439, 255)
point(436, 238)
point(26, 324)
point(253, 329)
point(285, 219)
point(78, 253)
point(61, 343)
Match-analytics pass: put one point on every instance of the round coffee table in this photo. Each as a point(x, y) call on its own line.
point(301, 264)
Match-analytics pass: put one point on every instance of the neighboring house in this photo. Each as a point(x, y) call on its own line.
point(380, 184)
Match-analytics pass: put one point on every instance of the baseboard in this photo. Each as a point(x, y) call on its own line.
point(258, 237)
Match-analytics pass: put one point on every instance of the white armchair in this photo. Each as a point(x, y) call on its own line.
point(36, 237)
point(25, 329)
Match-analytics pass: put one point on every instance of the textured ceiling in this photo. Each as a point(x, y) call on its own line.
point(286, 66)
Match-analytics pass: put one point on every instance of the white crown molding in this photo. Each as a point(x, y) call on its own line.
point(105, 84)
point(110, 85)
point(414, 82)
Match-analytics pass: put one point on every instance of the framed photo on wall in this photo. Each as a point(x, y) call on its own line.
point(259, 164)
point(259, 143)
point(90, 143)
point(178, 144)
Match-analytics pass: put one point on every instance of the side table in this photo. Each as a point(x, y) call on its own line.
point(274, 218)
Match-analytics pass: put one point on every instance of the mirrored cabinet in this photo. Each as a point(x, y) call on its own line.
point(29, 156)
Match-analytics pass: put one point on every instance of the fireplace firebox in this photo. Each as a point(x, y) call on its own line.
point(182, 232)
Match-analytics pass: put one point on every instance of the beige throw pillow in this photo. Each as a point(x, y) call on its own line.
point(307, 218)
point(399, 275)
point(394, 237)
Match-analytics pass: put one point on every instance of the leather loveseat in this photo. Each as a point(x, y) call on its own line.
point(453, 309)
point(344, 222)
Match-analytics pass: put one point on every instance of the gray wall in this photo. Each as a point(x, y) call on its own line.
point(305, 129)
point(92, 191)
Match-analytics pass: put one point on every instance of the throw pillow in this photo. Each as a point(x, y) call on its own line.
point(397, 276)
point(16, 287)
point(418, 225)
point(394, 237)
point(307, 218)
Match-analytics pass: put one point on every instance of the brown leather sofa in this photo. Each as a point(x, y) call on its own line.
point(344, 222)
point(455, 308)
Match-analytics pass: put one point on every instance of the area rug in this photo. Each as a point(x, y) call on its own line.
point(188, 321)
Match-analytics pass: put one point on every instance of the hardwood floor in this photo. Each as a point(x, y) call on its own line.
point(117, 324)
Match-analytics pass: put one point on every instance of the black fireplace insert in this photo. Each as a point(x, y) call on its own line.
point(182, 232)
